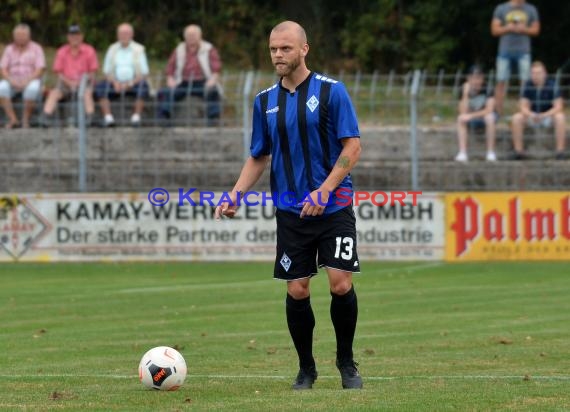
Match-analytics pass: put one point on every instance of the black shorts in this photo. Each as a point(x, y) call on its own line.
point(302, 244)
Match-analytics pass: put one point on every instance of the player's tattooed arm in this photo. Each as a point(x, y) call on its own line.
point(343, 162)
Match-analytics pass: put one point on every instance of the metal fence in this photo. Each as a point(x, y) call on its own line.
point(408, 120)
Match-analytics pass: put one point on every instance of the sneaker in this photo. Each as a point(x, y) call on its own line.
point(560, 156)
point(351, 379)
point(461, 157)
point(136, 119)
point(305, 379)
point(109, 120)
point(491, 157)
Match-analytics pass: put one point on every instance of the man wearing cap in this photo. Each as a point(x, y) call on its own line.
point(72, 61)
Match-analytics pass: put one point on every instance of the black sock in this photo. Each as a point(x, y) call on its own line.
point(344, 313)
point(301, 321)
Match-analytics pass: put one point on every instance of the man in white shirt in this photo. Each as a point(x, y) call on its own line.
point(126, 70)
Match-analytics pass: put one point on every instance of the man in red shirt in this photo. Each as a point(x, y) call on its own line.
point(22, 65)
point(193, 69)
point(72, 61)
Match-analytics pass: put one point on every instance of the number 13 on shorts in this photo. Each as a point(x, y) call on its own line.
point(344, 248)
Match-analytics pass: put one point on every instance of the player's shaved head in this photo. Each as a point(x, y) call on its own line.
point(291, 26)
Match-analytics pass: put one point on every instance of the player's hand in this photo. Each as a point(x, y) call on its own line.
point(466, 88)
point(315, 203)
point(226, 208)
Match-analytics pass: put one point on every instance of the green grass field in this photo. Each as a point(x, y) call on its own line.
point(430, 337)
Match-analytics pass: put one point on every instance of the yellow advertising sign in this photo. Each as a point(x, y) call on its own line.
point(507, 226)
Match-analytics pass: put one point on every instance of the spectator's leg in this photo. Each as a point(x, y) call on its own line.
point(29, 106)
point(560, 131)
point(212, 103)
point(102, 93)
point(88, 101)
point(105, 104)
point(30, 95)
point(166, 98)
point(518, 128)
point(139, 106)
point(177, 94)
point(503, 71)
point(54, 96)
point(490, 131)
point(6, 100)
point(462, 135)
point(141, 90)
point(524, 68)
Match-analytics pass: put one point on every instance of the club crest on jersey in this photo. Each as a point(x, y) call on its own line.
point(312, 103)
point(285, 262)
point(274, 110)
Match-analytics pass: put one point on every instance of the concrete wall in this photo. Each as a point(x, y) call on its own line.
point(126, 159)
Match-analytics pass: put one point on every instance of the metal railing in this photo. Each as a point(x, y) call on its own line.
point(185, 151)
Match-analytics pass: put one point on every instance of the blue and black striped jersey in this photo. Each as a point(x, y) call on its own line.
point(302, 132)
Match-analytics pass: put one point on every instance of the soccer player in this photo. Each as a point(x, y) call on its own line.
point(306, 125)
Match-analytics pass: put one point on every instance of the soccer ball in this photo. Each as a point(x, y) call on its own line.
point(162, 368)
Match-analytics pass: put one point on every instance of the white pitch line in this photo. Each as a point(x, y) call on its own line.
point(410, 268)
point(193, 286)
point(283, 377)
point(221, 285)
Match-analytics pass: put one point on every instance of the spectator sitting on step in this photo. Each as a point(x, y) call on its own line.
point(22, 64)
point(72, 61)
point(193, 68)
point(126, 70)
point(476, 111)
point(541, 105)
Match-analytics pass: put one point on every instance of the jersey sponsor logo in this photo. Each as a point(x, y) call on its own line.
point(285, 262)
point(312, 103)
point(273, 110)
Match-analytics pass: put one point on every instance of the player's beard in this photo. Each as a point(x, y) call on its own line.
point(289, 67)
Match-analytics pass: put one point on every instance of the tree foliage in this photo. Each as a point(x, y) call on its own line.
point(360, 34)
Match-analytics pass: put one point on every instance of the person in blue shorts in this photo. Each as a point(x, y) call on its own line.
point(514, 23)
